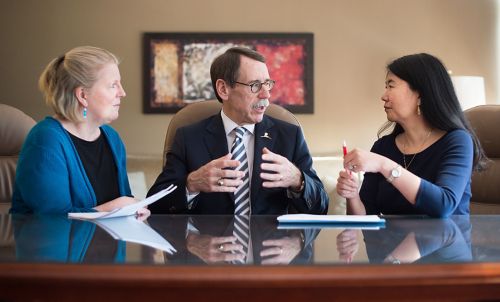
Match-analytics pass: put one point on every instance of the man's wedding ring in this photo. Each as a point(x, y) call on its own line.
point(221, 247)
point(220, 182)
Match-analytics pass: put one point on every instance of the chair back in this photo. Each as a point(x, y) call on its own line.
point(485, 121)
point(196, 112)
point(14, 126)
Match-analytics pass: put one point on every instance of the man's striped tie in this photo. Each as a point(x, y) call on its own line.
point(242, 194)
point(241, 230)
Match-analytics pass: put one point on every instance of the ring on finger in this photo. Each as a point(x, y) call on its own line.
point(220, 182)
point(281, 250)
point(221, 247)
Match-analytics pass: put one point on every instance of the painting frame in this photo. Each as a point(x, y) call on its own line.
point(175, 74)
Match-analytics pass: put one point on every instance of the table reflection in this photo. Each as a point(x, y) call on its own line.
point(409, 240)
point(55, 238)
point(215, 240)
point(212, 240)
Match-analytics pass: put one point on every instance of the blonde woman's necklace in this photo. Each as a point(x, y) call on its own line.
point(415, 154)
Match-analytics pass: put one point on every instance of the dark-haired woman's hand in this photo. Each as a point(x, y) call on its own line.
point(347, 184)
point(347, 245)
point(359, 160)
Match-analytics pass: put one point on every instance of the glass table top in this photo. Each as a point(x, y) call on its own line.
point(226, 240)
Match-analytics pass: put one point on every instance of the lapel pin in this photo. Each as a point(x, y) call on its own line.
point(266, 135)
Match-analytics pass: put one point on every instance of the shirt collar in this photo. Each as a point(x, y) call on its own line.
point(229, 124)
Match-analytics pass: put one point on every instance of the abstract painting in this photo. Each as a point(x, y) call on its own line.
point(177, 67)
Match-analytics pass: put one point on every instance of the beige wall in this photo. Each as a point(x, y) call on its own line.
point(353, 42)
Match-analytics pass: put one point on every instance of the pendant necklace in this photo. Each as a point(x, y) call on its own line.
point(413, 157)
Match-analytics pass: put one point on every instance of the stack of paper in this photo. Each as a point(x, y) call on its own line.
point(122, 226)
point(322, 221)
point(131, 209)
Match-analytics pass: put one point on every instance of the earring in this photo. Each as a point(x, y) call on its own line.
point(418, 110)
point(85, 112)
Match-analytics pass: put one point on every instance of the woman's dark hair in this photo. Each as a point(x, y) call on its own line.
point(439, 104)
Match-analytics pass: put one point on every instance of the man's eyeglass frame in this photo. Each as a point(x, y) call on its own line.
point(256, 86)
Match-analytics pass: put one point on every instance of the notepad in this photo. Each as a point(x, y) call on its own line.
point(128, 210)
point(132, 230)
point(336, 226)
point(330, 219)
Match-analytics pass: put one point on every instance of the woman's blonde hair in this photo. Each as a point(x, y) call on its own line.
point(76, 68)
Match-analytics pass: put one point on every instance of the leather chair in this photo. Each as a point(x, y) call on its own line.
point(196, 112)
point(14, 126)
point(485, 121)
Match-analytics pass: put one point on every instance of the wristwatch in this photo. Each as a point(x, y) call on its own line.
point(391, 259)
point(395, 173)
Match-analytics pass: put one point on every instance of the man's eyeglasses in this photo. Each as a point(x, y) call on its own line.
point(257, 86)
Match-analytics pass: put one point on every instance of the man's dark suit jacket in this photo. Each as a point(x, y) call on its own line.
point(196, 145)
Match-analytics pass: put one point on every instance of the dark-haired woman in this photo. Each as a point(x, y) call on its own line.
point(424, 165)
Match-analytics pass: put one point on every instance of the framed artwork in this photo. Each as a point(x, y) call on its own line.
point(177, 67)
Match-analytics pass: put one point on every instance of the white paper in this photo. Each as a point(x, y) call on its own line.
point(133, 230)
point(309, 218)
point(128, 210)
point(329, 225)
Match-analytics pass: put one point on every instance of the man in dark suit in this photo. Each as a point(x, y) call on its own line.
point(277, 174)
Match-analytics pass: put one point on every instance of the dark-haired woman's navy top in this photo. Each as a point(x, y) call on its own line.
point(445, 168)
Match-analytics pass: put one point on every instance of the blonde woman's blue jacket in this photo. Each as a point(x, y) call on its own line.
point(50, 177)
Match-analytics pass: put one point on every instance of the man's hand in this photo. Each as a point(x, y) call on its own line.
point(281, 172)
point(214, 249)
point(280, 251)
point(214, 177)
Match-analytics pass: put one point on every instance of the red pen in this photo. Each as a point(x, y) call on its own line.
point(344, 148)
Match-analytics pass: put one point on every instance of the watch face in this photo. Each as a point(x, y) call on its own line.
point(396, 172)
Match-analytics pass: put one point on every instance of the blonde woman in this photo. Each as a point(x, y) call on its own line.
point(73, 161)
